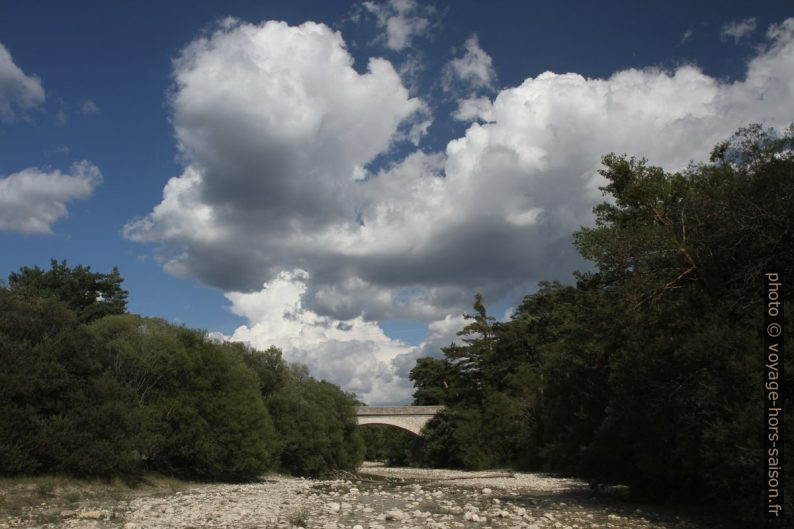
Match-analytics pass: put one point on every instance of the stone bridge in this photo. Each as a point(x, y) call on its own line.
point(411, 418)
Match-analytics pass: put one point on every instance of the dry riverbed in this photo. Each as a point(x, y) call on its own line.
point(379, 498)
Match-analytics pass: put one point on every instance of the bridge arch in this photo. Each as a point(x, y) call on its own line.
point(411, 418)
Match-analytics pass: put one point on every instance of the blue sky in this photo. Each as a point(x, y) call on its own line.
point(343, 209)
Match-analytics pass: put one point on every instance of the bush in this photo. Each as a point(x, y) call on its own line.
point(316, 426)
point(204, 417)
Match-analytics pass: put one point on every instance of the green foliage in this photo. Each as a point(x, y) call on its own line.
point(442, 448)
point(89, 391)
point(316, 425)
point(90, 294)
point(205, 417)
point(390, 444)
point(646, 372)
point(437, 382)
point(471, 361)
point(59, 410)
point(270, 369)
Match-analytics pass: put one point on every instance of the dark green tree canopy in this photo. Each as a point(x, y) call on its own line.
point(90, 391)
point(647, 372)
point(91, 295)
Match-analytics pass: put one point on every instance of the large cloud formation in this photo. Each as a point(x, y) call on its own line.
point(277, 130)
point(18, 91)
point(32, 200)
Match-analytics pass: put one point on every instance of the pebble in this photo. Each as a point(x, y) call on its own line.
point(527, 501)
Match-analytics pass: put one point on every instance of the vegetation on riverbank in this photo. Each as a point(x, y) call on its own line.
point(648, 371)
point(88, 390)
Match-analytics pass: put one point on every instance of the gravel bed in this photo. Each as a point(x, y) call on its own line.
point(507, 480)
point(379, 498)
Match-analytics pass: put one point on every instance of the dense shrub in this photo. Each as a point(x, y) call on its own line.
point(88, 391)
point(60, 410)
point(316, 426)
point(204, 415)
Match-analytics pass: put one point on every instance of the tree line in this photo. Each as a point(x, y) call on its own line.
point(89, 390)
point(648, 371)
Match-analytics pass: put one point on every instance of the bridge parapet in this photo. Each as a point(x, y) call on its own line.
point(411, 418)
point(362, 411)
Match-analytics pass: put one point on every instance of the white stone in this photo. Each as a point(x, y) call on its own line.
point(395, 514)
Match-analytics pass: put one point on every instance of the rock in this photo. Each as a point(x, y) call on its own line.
point(91, 515)
point(334, 506)
point(486, 491)
point(357, 526)
point(395, 514)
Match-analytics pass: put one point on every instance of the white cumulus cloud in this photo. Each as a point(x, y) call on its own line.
point(277, 129)
point(32, 200)
point(18, 91)
point(353, 353)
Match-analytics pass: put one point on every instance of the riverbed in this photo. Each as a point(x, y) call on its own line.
point(376, 498)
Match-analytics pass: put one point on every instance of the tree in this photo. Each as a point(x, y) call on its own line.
point(681, 257)
point(472, 360)
point(268, 365)
point(316, 425)
point(204, 415)
point(90, 294)
point(60, 411)
point(436, 381)
point(646, 372)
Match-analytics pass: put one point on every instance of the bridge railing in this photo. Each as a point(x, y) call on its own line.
point(363, 411)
